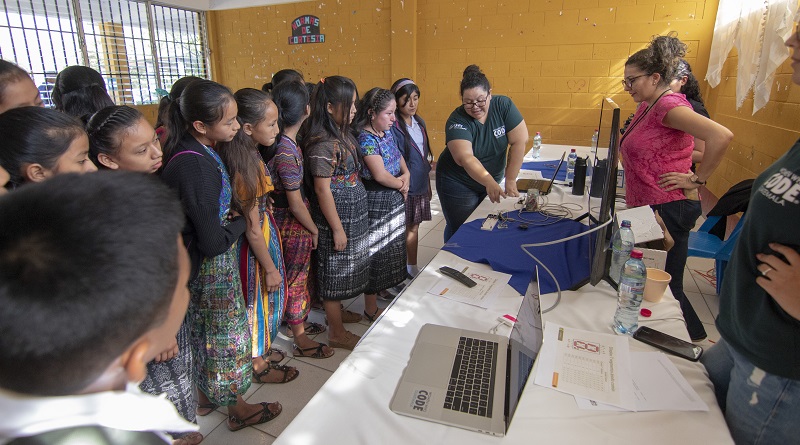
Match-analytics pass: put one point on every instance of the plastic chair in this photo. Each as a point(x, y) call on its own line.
point(705, 245)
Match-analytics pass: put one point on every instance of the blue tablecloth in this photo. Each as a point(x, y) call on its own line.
point(548, 167)
point(500, 248)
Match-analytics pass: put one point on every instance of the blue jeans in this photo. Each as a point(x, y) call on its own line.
point(679, 218)
point(458, 202)
point(760, 408)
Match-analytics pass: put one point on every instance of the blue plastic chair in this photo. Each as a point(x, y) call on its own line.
point(705, 245)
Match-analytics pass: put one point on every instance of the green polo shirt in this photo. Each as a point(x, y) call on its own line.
point(489, 140)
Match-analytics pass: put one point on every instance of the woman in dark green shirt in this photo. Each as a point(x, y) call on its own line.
point(477, 155)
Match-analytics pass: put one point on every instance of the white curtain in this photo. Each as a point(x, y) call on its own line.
point(758, 29)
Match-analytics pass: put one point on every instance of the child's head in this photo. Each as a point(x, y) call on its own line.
point(376, 111)
point(281, 76)
point(206, 110)
point(333, 106)
point(406, 93)
point(17, 88)
point(120, 138)
point(39, 143)
point(80, 91)
point(82, 308)
point(174, 93)
point(291, 98)
point(258, 115)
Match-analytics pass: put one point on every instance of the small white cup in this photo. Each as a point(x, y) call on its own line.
point(656, 284)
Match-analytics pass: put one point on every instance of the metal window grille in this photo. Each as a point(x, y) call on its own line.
point(138, 46)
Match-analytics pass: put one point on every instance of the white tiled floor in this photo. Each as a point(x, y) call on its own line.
point(698, 284)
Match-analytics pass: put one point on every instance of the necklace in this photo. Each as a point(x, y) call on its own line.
point(641, 117)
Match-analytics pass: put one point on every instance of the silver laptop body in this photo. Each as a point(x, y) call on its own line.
point(429, 386)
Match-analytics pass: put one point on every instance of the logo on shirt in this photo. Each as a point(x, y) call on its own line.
point(782, 187)
point(456, 127)
point(499, 132)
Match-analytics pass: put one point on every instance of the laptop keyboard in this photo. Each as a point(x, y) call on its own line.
point(471, 387)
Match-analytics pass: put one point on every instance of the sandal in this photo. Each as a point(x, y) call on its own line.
point(210, 406)
point(374, 316)
point(189, 439)
point(312, 352)
point(236, 424)
point(287, 376)
point(271, 351)
point(350, 342)
point(312, 329)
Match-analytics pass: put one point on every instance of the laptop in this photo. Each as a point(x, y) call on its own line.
point(470, 379)
point(543, 185)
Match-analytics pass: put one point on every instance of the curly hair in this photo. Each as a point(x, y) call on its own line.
point(661, 56)
point(691, 89)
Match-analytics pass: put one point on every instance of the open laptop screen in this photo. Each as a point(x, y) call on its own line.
point(525, 341)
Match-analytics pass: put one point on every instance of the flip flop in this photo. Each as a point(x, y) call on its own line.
point(210, 406)
point(316, 351)
point(236, 424)
point(274, 366)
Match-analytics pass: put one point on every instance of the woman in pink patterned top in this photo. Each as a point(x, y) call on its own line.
point(657, 155)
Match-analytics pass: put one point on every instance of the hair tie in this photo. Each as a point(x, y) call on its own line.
point(402, 84)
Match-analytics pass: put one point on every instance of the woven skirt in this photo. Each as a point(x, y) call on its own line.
point(343, 275)
point(220, 333)
point(297, 248)
point(387, 239)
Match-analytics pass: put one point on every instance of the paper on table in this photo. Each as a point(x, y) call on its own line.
point(643, 223)
point(658, 385)
point(490, 284)
point(587, 364)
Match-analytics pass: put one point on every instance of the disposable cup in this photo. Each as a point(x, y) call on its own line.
point(656, 284)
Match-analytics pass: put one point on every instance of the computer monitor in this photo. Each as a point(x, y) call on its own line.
point(607, 189)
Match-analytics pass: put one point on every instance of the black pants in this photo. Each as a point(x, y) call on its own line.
point(679, 218)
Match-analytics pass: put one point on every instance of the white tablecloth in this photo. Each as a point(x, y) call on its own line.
point(353, 405)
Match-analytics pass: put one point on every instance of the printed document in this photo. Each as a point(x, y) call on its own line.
point(586, 364)
point(490, 284)
point(658, 386)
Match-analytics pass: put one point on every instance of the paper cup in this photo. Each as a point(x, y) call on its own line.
point(656, 284)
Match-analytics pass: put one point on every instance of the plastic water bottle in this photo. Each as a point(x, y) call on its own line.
point(631, 289)
point(621, 246)
point(571, 165)
point(595, 138)
point(537, 145)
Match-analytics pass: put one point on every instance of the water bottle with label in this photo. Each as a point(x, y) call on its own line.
point(595, 138)
point(537, 145)
point(629, 296)
point(571, 159)
point(621, 246)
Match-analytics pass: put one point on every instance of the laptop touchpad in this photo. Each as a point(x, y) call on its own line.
point(429, 357)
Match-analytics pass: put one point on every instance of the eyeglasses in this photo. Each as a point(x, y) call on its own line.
point(628, 83)
point(478, 103)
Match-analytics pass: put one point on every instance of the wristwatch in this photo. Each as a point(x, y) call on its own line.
point(696, 180)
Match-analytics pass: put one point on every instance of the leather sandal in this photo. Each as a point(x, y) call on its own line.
point(287, 373)
point(311, 330)
point(350, 341)
point(374, 316)
point(271, 351)
point(236, 424)
point(312, 352)
point(210, 406)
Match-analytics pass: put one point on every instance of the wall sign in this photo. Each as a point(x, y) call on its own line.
point(305, 29)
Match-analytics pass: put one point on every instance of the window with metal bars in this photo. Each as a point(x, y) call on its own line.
point(138, 46)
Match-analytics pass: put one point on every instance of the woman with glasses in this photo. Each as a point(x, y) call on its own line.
point(657, 155)
point(755, 367)
point(477, 155)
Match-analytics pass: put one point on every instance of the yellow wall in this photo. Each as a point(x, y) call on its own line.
point(556, 58)
point(249, 45)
